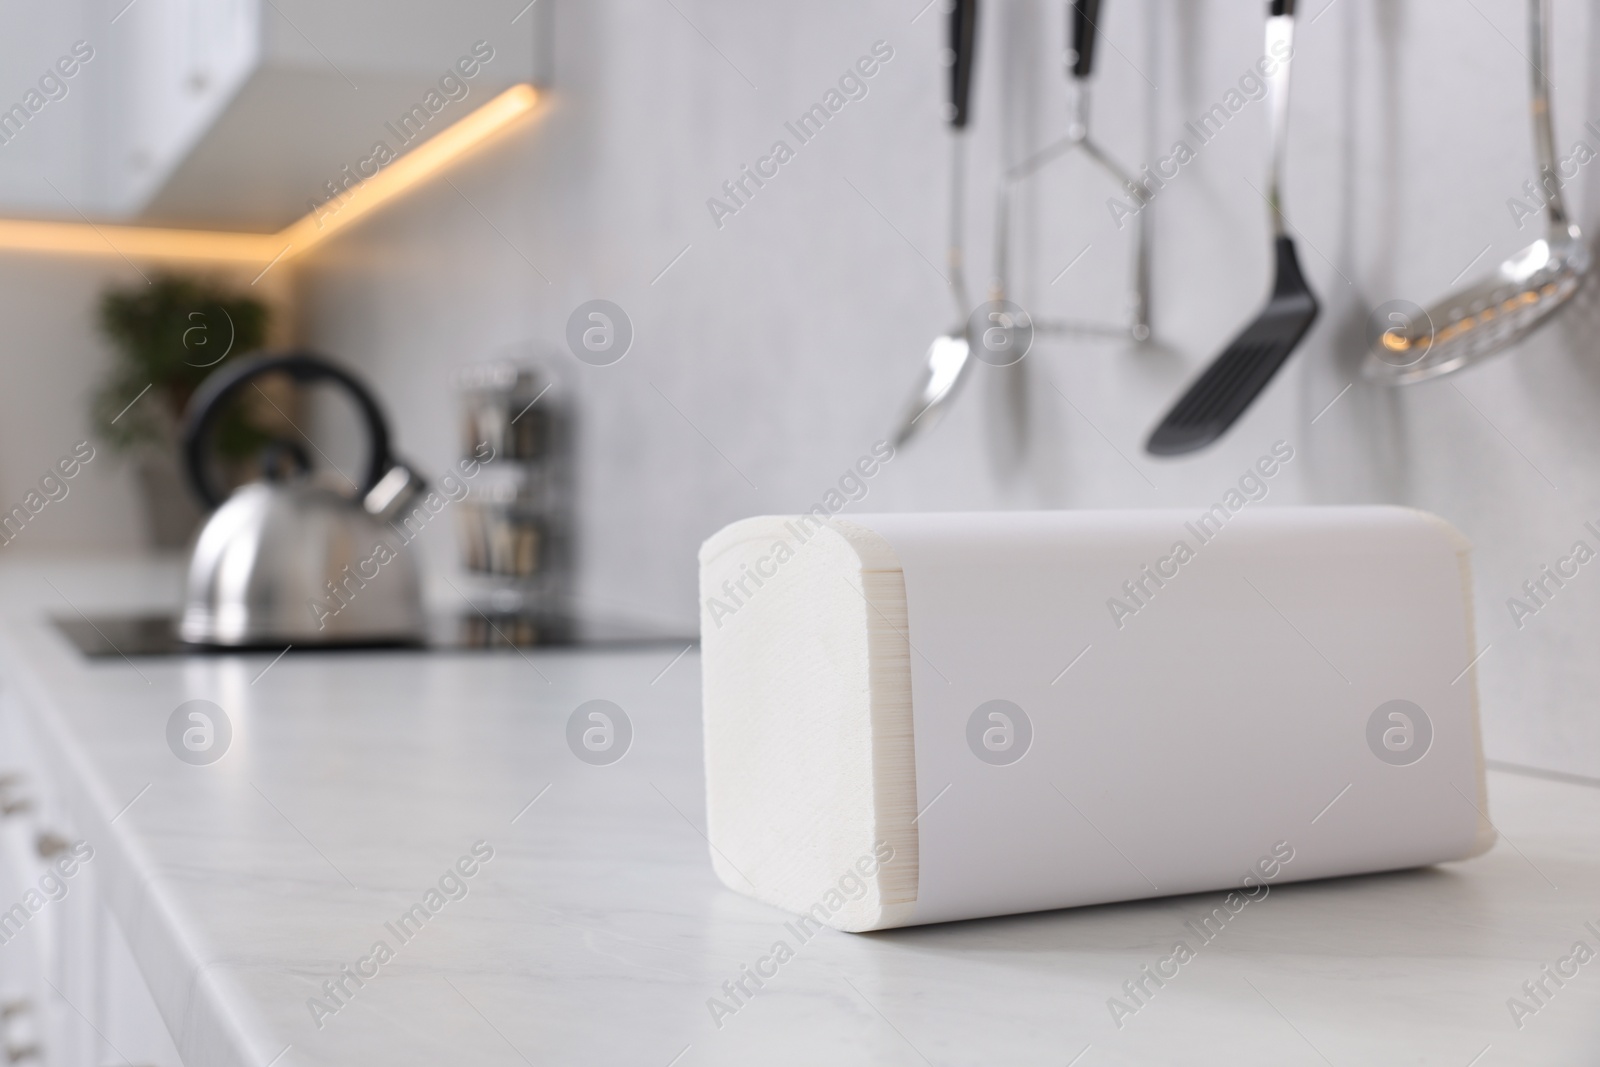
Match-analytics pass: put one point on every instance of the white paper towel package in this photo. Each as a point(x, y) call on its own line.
point(924, 717)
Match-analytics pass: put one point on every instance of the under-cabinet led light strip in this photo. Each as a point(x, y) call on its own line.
point(143, 242)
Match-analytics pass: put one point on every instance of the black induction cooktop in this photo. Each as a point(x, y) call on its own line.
point(113, 636)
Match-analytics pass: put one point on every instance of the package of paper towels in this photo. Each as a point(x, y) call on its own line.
point(917, 718)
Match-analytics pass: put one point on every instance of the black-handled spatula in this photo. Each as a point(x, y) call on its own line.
point(1235, 378)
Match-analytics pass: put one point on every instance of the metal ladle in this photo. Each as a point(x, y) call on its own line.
point(1489, 316)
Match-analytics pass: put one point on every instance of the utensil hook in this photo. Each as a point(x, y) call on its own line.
point(1544, 135)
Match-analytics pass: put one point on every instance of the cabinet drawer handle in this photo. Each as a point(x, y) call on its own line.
point(10, 1012)
point(51, 845)
point(13, 801)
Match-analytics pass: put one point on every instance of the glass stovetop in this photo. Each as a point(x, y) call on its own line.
point(103, 636)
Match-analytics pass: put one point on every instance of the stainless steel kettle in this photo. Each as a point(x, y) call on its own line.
point(291, 561)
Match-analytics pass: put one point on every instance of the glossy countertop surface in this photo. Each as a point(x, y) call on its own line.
point(591, 928)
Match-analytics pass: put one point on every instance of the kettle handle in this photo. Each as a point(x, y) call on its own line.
point(209, 400)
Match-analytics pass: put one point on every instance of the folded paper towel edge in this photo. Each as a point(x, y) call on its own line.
point(1487, 834)
point(839, 854)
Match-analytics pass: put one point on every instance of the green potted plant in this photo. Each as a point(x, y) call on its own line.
point(169, 336)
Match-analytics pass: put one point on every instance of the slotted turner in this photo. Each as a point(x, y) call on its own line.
point(1216, 399)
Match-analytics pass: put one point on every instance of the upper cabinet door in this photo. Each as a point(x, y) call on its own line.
point(238, 114)
point(173, 67)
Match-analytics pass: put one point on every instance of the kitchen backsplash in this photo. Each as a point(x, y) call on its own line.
point(781, 298)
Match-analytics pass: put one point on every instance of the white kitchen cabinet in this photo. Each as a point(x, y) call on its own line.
point(171, 70)
point(129, 1019)
point(71, 994)
point(236, 114)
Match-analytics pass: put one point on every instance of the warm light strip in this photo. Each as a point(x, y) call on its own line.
point(417, 165)
point(144, 242)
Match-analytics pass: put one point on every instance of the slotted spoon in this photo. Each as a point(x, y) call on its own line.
point(1491, 315)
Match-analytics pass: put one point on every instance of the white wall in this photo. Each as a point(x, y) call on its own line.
point(52, 358)
point(781, 345)
point(43, 164)
point(788, 338)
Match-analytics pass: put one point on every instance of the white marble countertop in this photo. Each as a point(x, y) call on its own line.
point(597, 933)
